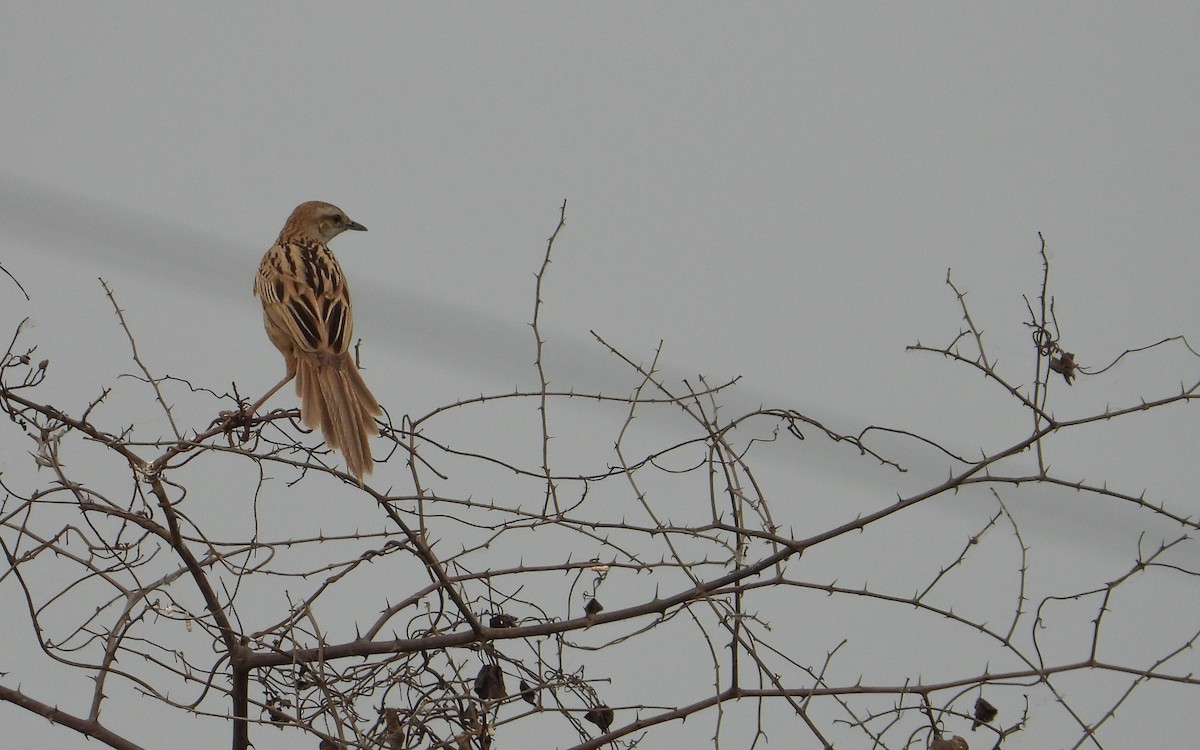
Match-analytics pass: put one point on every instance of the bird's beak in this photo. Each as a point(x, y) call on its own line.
point(355, 226)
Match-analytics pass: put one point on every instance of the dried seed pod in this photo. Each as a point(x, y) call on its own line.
point(489, 683)
point(502, 621)
point(528, 694)
point(601, 716)
point(393, 738)
point(1064, 365)
point(984, 713)
point(275, 711)
point(593, 607)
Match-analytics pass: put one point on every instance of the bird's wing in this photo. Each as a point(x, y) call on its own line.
point(305, 298)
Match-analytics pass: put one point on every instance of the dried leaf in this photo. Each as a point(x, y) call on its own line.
point(593, 607)
point(954, 743)
point(469, 718)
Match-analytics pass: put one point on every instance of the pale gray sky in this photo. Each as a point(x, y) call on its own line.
point(774, 189)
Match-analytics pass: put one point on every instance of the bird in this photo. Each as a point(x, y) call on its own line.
point(309, 319)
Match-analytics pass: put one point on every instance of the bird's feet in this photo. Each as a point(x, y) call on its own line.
point(231, 420)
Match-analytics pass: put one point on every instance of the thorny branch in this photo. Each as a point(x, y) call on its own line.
point(251, 584)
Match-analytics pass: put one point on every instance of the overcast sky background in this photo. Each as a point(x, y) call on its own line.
point(775, 190)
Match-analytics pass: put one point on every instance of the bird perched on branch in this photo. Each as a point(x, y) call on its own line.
point(308, 316)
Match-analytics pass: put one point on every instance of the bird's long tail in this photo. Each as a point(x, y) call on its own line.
point(334, 397)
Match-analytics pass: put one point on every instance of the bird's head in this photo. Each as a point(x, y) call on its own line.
point(317, 221)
